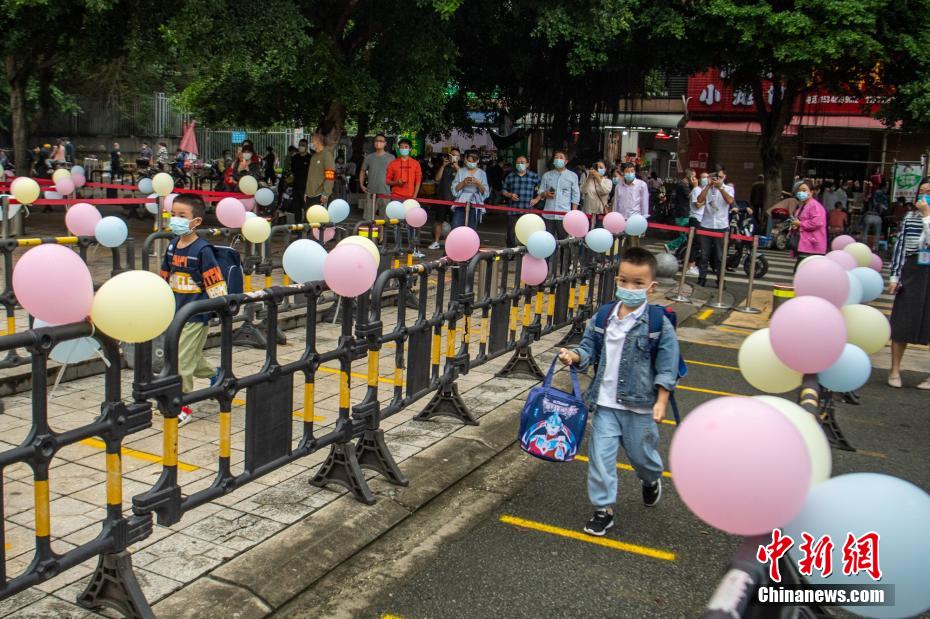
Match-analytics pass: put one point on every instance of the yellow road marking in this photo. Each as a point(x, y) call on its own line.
point(873, 454)
point(621, 465)
point(705, 314)
point(238, 402)
point(711, 344)
point(655, 553)
point(138, 455)
point(734, 330)
point(712, 391)
point(712, 365)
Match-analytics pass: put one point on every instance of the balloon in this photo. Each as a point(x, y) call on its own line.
point(338, 210)
point(850, 371)
point(416, 217)
point(26, 190)
point(876, 263)
point(541, 244)
point(82, 218)
point(859, 503)
point(841, 242)
point(368, 244)
point(111, 231)
point(250, 214)
point(575, 223)
point(77, 169)
point(395, 210)
point(264, 196)
point(65, 186)
point(248, 185)
point(818, 448)
point(134, 306)
point(808, 334)
point(70, 351)
point(867, 327)
point(762, 369)
point(462, 243)
point(823, 278)
point(328, 234)
point(303, 261)
point(145, 186)
point(636, 225)
point(169, 202)
point(162, 184)
point(256, 229)
point(842, 258)
point(152, 207)
point(855, 289)
point(615, 223)
point(317, 214)
point(410, 204)
point(533, 271)
point(230, 212)
point(349, 270)
point(59, 174)
point(721, 459)
point(526, 225)
point(51, 282)
point(248, 204)
point(872, 283)
point(599, 240)
point(861, 252)
point(810, 259)
point(79, 180)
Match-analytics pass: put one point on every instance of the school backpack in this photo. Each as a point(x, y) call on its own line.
point(552, 422)
point(656, 314)
point(230, 264)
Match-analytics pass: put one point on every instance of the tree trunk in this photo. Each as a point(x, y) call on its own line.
point(773, 118)
point(333, 124)
point(18, 114)
point(358, 141)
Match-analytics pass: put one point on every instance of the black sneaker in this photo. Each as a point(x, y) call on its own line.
point(599, 523)
point(652, 494)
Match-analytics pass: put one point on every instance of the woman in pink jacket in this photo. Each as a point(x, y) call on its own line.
point(810, 223)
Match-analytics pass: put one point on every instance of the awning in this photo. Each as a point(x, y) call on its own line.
point(742, 126)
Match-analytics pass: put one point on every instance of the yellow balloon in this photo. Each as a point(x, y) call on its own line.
point(861, 252)
point(410, 203)
point(366, 243)
point(317, 214)
point(528, 224)
point(809, 429)
point(60, 174)
point(26, 191)
point(866, 327)
point(248, 185)
point(162, 184)
point(256, 229)
point(762, 369)
point(134, 306)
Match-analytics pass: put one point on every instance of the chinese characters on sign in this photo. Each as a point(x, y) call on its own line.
point(859, 554)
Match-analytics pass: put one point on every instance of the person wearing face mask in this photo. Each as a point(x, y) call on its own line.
point(469, 187)
point(248, 164)
point(714, 202)
point(519, 189)
point(559, 188)
point(810, 223)
point(681, 204)
point(373, 177)
point(191, 269)
point(596, 191)
point(299, 166)
point(910, 284)
point(404, 174)
point(444, 175)
point(631, 388)
point(631, 196)
point(321, 177)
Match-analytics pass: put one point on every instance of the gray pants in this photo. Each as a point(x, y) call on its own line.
point(871, 223)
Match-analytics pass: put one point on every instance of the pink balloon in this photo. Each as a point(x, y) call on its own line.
point(248, 203)
point(842, 258)
point(51, 282)
point(723, 459)
point(808, 334)
point(533, 271)
point(614, 222)
point(79, 180)
point(842, 241)
point(876, 262)
point(416, 217)
point(328, 234)
point(462, 243)
point(81, 219)
point(64, 186)
point(575, 223)
point(349, 270)
point(230, 212)
point(169, 200)
point(822, 278)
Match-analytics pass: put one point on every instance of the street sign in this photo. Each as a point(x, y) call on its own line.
point(906, 181)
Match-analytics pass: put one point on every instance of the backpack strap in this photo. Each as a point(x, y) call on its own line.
point(198, 248)
point(656, 314)
point(600, 324)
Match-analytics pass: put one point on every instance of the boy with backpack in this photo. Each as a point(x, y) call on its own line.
point(193, 271)
point(634, 349)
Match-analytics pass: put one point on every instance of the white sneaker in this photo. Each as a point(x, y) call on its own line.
point(184, 416)
point(435, 245)
point(418, 254)
point(694, 271)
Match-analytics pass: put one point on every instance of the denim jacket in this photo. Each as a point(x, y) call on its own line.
point(637, 381)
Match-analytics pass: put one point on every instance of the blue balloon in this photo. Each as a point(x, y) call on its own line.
point(264, 196)
point(78, 170)
point(636, 225)
point(338, 210)
point(862, 502)
point(850, 371)
point(71, 351)
point(395, 210)
point(599, 240)
point(541, 244)
point(303, 261)
point(111, 231)
point(145, 186)
point(855, 290)
point(872, 283)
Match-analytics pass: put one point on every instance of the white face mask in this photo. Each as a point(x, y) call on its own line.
point(302, 149)
point(247, 156)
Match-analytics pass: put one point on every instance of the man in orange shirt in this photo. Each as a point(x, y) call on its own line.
point(404, 174)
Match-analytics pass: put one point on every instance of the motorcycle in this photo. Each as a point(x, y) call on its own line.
point(743, 224)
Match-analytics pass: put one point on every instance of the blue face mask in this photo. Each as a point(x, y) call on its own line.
point(521, 167)
point(704, 181)
point(471, 165)
point(558, 163)
point(631, 297)
point(179, 226)
point(802, 196)
point(403, 152)
point(629, 177)
point(925, 197)
point(602, 171)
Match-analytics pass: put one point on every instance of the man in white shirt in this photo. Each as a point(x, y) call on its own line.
point(559, 188)
point(714, 200)
point(695, 216)
point(631, 196)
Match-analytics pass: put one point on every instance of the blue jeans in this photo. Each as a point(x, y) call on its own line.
point(639, 436)
point(458, 218)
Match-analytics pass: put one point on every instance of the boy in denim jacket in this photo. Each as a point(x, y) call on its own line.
point(629, 393)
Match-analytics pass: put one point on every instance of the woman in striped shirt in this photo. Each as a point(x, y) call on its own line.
point(910, 283)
